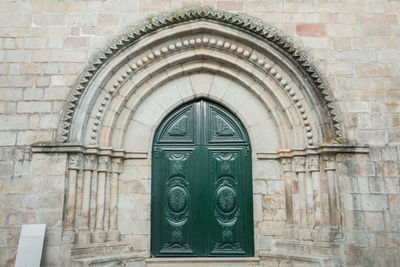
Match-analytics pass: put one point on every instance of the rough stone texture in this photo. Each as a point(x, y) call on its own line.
point(355, 44)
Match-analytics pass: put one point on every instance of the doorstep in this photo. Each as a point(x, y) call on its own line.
point(203, 261)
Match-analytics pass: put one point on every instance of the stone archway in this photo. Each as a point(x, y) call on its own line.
point(255, 71)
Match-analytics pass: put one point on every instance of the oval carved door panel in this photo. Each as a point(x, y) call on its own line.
point(201, 184)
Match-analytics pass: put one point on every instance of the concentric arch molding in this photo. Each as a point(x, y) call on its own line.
point(239, 22)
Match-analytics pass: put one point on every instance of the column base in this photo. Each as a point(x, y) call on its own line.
point(69, 236)
point(112, 235)
point(99, 236)
point(84, 236)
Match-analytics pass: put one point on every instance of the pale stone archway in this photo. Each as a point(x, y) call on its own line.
point(251, 69)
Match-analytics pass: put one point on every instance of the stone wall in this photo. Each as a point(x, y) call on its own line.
point(46, 44)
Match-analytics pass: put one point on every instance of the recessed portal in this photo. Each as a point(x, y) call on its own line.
point(201, 203)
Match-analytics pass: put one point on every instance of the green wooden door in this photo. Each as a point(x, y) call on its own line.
point(201, 202)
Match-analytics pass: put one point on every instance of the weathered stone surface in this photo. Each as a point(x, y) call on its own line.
point(46, 44)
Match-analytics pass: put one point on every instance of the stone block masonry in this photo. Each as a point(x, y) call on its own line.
point(45, 45)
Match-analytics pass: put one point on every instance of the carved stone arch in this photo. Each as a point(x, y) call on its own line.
point(248, 67)
point(261, 47)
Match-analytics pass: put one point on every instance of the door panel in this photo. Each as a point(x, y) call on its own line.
point(221, 127)
point(229, 213)
point(201, 184)
point(173, 205)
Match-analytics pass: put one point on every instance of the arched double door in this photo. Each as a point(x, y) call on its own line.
point(201, 184)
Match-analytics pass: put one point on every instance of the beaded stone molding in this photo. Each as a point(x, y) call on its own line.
point(241, 22)
point(206, 41)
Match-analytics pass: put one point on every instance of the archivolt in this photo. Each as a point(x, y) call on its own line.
point(253, 54)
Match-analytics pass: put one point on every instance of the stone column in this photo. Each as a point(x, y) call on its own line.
point(332, 191)
point(88, 167)
point(314, 191)
point(107, 201)
point(102, 168)
point(299, 164)
point(287, 174)
point(74, 166)
point(116, 168)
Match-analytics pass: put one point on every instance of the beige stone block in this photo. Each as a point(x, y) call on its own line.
point(49, 19)
point(219, 86)
point(19, 55)
point(141, 242)
point(276, 187)
point(57, 93)
point(158, 6)
point(201, 83)
point(20, 185)
point(339, 30)
point(273, 228)
point(249, 107)
point(257, 207)
point(373, 30)
point(264, 242)
point(275, 201)
point(68, 56)
point(144, 172)
point(149, 112)
point(374, 221)
point(33, 107)
point(134, 186)
point(51, 165)
point(8, 138)
point(269, 169)
point(168, 96)
point(265, 137)
point(260, 187)
point(394, 202)
point(19, 218)
point(107, 19)
point(6, 169)
point(274, 214)
point(30, 137)
point(316, 42)
point(373, 69)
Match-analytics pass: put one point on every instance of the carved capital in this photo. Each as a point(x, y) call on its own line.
point(299, 164)
point(116, 165)
point(312, 163)
point(75, 161)
point(103, 163)
point(89, 162)
point(286, 164)
point(330, 162)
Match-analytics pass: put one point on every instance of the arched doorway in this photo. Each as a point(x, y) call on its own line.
point(201, 184)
